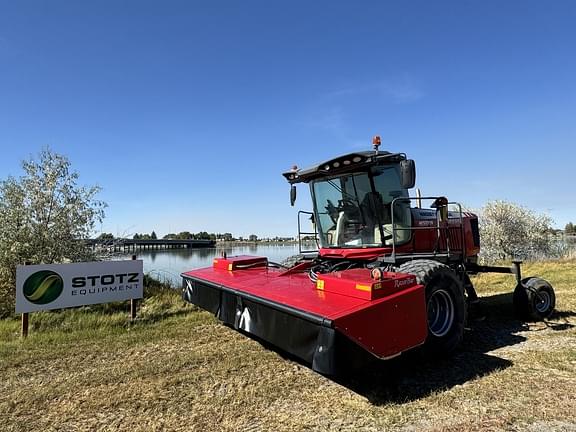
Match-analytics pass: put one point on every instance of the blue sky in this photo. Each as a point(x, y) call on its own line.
point(187, 112)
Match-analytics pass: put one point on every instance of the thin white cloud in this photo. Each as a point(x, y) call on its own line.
point(401, 90)
point(334, 111)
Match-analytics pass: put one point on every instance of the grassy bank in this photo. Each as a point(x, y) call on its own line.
point(177, 368)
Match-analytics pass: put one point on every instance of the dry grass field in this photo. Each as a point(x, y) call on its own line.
point(178, 369)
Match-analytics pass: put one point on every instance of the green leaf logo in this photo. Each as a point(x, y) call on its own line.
point(43, 287)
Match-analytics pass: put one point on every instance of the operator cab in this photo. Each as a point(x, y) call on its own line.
point(358, 198)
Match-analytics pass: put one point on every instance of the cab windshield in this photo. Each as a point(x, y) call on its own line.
point(354, 210)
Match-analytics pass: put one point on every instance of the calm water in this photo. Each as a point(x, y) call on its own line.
point(167, 265)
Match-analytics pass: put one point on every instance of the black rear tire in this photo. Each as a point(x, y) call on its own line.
point(445, 304)
point(534, 299)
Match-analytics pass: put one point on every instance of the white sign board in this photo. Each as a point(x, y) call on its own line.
point(56, 286)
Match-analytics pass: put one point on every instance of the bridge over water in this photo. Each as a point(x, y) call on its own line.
point(127, 245)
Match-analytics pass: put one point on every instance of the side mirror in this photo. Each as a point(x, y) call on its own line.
point(292, 195)
point(408, 173)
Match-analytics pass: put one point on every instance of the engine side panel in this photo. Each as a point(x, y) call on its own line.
point(425, 236)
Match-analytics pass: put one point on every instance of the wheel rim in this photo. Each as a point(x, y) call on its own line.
point(543, 301)
point(440, 313)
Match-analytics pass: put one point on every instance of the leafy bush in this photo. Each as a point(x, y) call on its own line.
point(45, 217)
point(508, 231)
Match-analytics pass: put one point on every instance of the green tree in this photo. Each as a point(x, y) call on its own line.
point(202, 235)
point(253, 237)
point(105, 236)
point(569, 228)
point(184, 235)
point(153, 236)
point(45, 217)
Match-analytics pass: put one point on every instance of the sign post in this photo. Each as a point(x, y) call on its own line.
point(25, 325)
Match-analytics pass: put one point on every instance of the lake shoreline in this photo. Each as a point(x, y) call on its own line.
point(220, 244)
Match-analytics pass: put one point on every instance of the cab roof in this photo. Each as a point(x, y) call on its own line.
point(342, 164)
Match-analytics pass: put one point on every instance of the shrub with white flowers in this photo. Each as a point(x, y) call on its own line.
point(509, 231)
